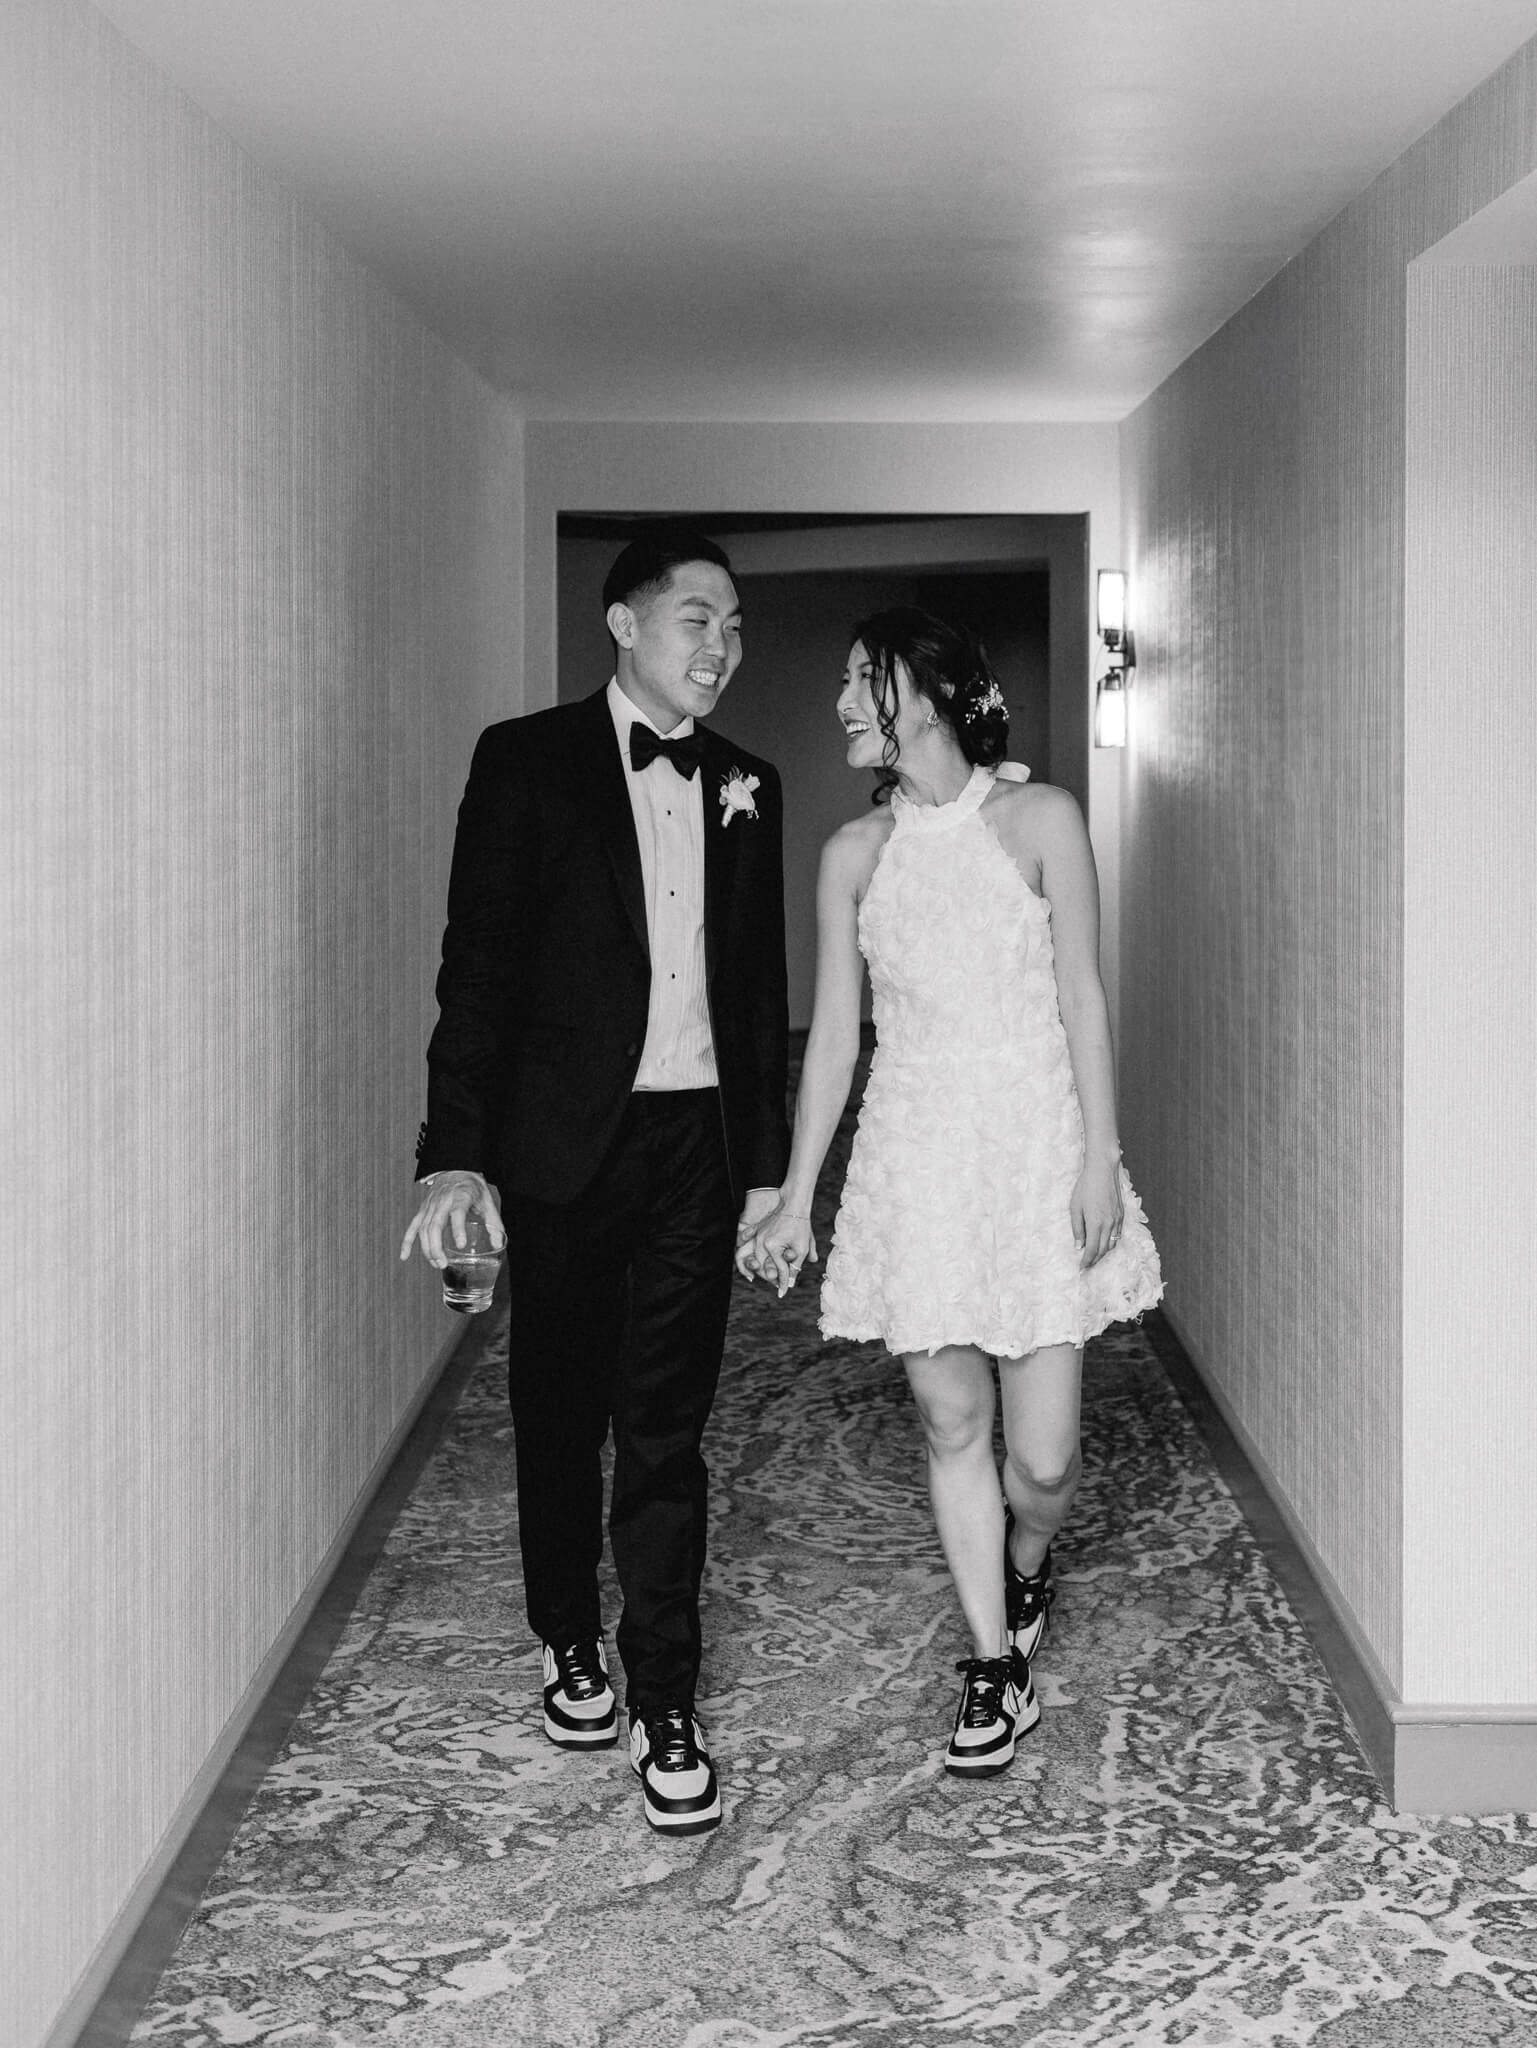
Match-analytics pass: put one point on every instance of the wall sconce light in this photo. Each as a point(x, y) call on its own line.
point(1121, 658)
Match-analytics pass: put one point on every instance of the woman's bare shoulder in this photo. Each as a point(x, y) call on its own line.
point(1032, 807)
point(869, 828)
point(1017, 793)
point(852, 851)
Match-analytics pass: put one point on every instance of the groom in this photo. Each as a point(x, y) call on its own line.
point(610, 1059)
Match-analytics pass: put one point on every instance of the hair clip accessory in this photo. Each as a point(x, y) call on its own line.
point(989, 702)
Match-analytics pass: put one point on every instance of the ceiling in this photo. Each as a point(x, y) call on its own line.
point(826, 209)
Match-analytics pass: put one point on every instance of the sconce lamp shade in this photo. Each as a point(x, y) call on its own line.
point(1115, 638)
point(1110, 710)
point(1110, 606)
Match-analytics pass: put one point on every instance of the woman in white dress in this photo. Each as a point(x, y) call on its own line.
point(986, 1214)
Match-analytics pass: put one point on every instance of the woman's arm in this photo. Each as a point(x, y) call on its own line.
point(1071, 886)
point(832, 1048)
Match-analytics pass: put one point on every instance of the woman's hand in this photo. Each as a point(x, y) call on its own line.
point(1096, 1210)
point(777, 1249)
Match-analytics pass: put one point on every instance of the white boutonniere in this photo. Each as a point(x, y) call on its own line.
point(736, 795)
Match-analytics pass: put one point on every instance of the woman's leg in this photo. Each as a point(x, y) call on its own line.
point(954, 1392)
point(1041, 1466)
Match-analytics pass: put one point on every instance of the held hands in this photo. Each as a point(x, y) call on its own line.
point(448, 1201)
point(774, 1246)
point(1096, 1210)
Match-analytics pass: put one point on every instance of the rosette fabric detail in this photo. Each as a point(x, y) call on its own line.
point(954, 1226)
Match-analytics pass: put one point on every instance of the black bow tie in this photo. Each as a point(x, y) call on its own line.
point(685, 754)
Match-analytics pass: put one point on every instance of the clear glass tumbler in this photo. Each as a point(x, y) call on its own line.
point(469, 1277)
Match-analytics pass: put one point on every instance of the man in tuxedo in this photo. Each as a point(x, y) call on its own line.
point(606, 1082)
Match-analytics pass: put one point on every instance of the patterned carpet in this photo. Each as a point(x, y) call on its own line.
point(1188, 1849)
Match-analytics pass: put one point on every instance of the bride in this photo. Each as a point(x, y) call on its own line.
point(986, 1215)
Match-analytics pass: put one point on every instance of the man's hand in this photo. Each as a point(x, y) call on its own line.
point(760, 1202)
point(777, 1245)
point(449, 1200)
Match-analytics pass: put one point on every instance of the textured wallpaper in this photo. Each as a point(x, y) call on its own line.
point(259, 571)
point(1263, 975)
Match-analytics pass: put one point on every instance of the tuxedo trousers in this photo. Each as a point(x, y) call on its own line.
point(617, 1319)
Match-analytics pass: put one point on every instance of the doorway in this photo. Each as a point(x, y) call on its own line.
point(1020, 583)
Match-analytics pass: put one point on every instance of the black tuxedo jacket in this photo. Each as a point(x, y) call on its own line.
point(546, 974)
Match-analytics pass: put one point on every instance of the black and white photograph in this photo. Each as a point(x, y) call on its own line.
point(768, 865)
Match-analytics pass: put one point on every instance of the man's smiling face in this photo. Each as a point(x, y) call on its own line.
point(679, 646)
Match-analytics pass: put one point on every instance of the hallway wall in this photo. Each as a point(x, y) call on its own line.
point(1263, 917)
point(261, 549)
point(1470, 909)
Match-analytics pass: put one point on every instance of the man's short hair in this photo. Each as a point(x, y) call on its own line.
point(646, 565)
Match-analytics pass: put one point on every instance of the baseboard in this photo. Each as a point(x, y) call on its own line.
point(1464, 1760)
point(116, 1984)
point(1353, 1666)
point(1429, 1758)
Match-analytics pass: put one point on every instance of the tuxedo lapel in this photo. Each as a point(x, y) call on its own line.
point(604, 782)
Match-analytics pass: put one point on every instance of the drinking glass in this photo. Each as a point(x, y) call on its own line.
point(469, 1277)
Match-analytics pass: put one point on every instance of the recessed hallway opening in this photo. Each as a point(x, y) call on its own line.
point(1020, 582)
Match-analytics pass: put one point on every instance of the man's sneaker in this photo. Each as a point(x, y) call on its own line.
point(580, 1711)
point(668, 1755)
point(995, 1708)
point(1026, 1601)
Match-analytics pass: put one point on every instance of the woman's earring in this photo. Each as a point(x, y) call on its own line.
point(933, 718)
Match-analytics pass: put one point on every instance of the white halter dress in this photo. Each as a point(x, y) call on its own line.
point(954, 1227)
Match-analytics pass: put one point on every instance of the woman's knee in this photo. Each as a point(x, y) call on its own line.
point(1045, 1468)
point(955, 1398)
point(954, 1428)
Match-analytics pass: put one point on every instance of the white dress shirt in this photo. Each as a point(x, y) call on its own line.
point(679, 1051)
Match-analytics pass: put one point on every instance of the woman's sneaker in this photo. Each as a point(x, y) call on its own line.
point(1026, 1601)
point(677, 1778)
point(580, 1711)
point(995, 1708)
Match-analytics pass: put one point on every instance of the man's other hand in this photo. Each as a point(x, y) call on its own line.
point(447, 1201)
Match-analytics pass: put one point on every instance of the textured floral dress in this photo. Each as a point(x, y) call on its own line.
point(954, 1227)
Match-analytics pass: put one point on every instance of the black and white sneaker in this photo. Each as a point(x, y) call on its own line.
point(580, 1711)
point(668, 1755)
point(995, 1708)
point(1026, 1601)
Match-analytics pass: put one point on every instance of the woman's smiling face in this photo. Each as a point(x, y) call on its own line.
point(858, 708)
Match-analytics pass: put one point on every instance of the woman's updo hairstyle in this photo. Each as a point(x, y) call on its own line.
point(949, 669)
